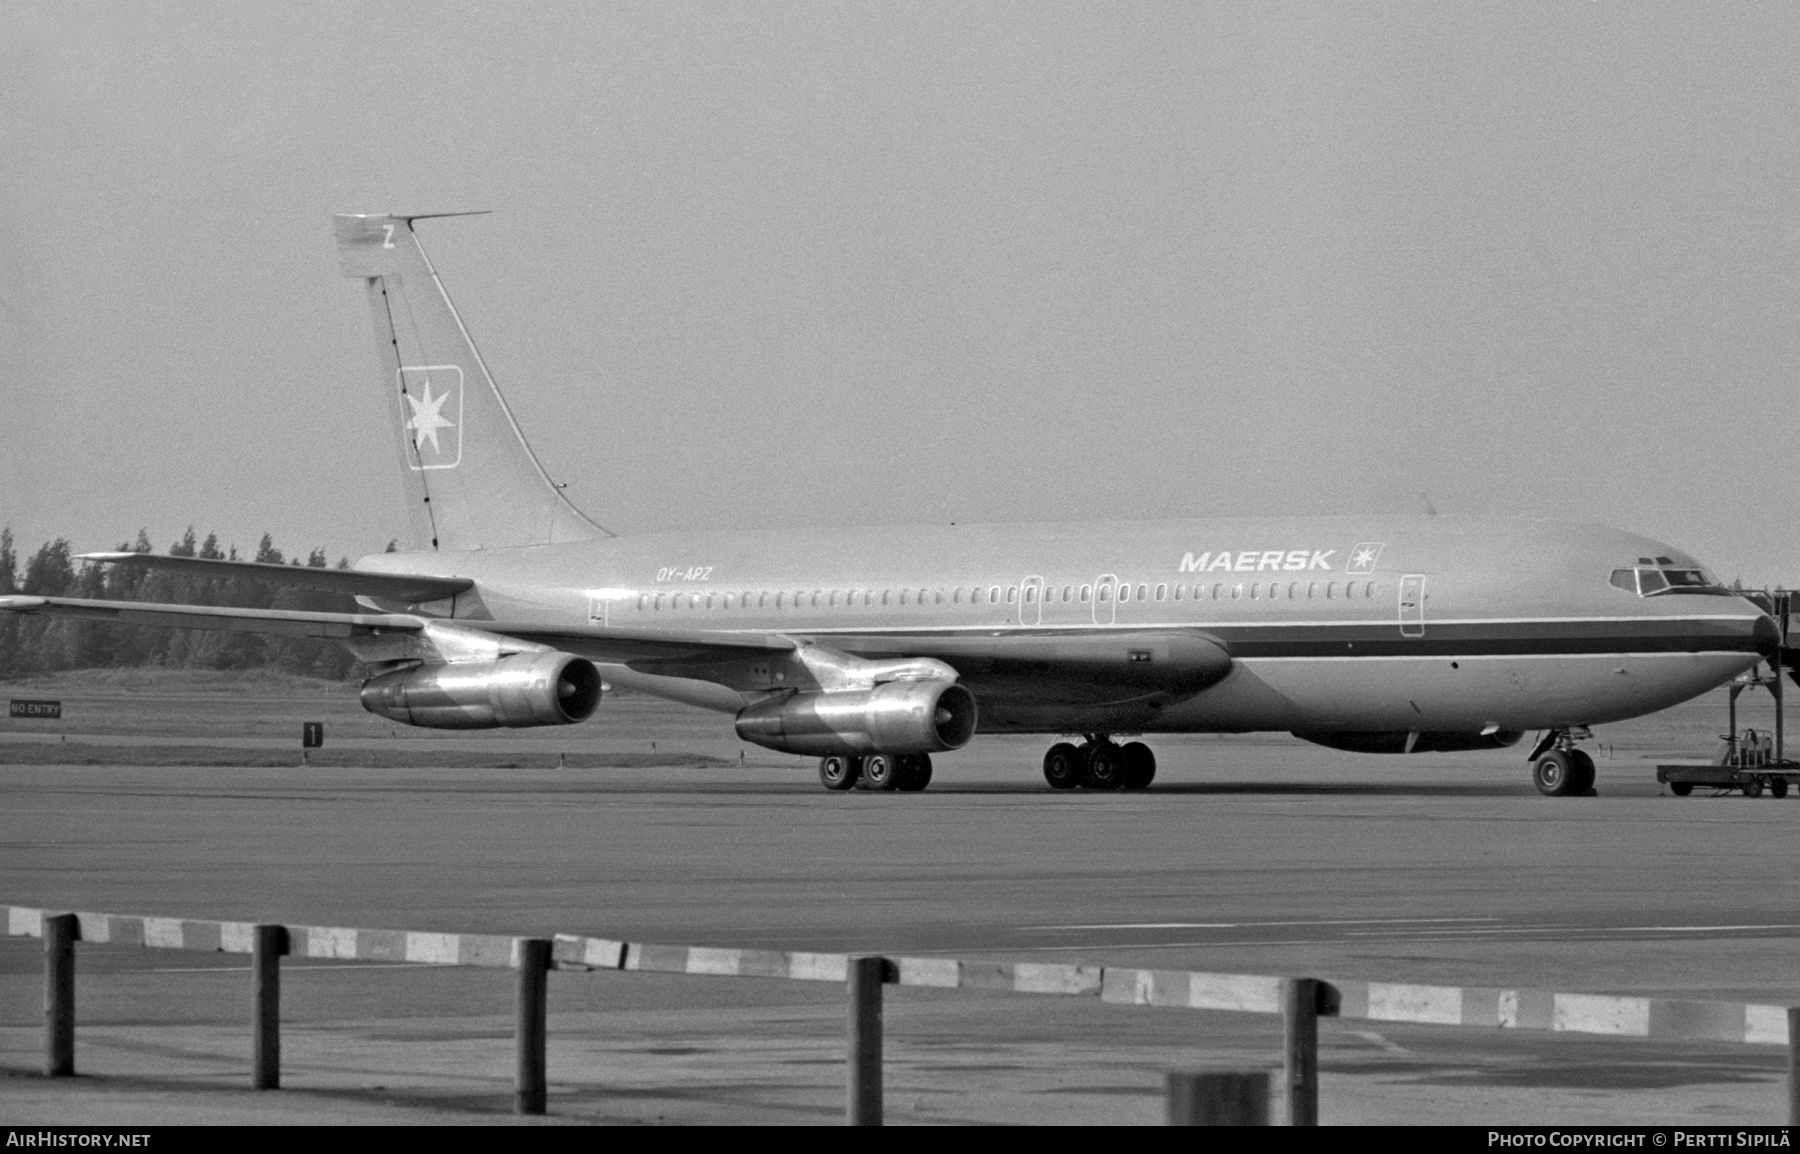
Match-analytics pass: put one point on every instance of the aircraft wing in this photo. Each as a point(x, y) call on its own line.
point(393, 586)
point(291, 622)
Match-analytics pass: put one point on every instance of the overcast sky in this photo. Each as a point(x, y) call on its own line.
point(763, 265)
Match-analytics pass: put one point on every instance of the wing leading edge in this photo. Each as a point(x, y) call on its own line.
point(611, 645)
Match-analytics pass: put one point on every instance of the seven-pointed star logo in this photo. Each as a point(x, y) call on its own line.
point(1364, 558)
point(426, 419)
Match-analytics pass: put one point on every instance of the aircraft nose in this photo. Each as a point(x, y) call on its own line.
point(1766, 636)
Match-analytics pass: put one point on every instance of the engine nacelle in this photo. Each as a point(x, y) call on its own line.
point(524, 689)
point(1428, 741)
point(896, 717)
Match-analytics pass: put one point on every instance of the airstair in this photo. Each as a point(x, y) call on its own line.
point(1752, 761)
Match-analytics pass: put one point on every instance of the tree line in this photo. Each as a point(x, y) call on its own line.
point(34, 644)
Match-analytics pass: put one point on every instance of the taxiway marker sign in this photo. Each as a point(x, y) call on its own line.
point(36, 710)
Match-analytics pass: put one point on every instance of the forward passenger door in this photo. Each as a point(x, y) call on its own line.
point(1412, 605)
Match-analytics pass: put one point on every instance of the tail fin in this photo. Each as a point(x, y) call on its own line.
point(471, 480)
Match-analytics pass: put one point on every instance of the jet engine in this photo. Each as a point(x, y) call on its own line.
point(524, 689)
point(1406, 741)
point(894, 717)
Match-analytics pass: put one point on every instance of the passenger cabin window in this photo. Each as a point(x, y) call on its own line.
point(1160, 591)
point(1178, 590)
point(1086, 592)
point(1011, 596)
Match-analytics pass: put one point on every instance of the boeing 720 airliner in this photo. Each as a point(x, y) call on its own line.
point(875, 648)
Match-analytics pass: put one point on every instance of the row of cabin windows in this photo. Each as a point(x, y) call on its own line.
point(994, 595)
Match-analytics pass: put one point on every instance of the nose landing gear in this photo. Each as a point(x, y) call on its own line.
point(1099, 763)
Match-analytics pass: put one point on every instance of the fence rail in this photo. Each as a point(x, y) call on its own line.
point(1299, 1001)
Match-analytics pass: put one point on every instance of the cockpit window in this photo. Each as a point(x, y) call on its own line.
point(1648, 581)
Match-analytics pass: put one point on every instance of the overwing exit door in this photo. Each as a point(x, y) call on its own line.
point(1106, 588)
point(1031, 601)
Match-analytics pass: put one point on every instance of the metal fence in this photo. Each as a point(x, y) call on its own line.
point(1299, 1002)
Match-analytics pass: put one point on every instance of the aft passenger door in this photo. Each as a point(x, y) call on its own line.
point(1031, 601)
point(1412, 605)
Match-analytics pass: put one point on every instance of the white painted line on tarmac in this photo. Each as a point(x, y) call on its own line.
point(1698, 929)
point(1256, 925)
point(1391, 1047)
point(1491, 931)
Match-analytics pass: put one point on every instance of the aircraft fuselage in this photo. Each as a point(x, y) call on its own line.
point(1330, 623)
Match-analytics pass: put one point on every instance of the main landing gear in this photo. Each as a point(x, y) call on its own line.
point(1558, 769)
point(1099, 763)
point(881, 772)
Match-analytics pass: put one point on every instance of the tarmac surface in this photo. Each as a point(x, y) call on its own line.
point(1252, 855)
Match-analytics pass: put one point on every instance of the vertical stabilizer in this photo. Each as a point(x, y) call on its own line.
point(471, 481)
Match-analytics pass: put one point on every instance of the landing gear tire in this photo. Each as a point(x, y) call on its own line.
point(1139, 765)
point(1554, 774)
point(1581, 767)
point(1778, 787)
point(1752, 787)
point(839, 773)
point(913, 771)
point(878, 773)
point(1105, 767)
point(1064, 766)
point(1681, 788)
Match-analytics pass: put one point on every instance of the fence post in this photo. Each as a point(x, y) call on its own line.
point(1300, 1051)
point(1219, 1098)
point(1793, 1019)
point(60, 932)
point(267, 944)
point(864, 988)
point(530, 1090)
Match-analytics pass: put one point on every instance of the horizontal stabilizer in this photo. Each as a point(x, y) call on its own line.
point(391, 586)
point(288, 622)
